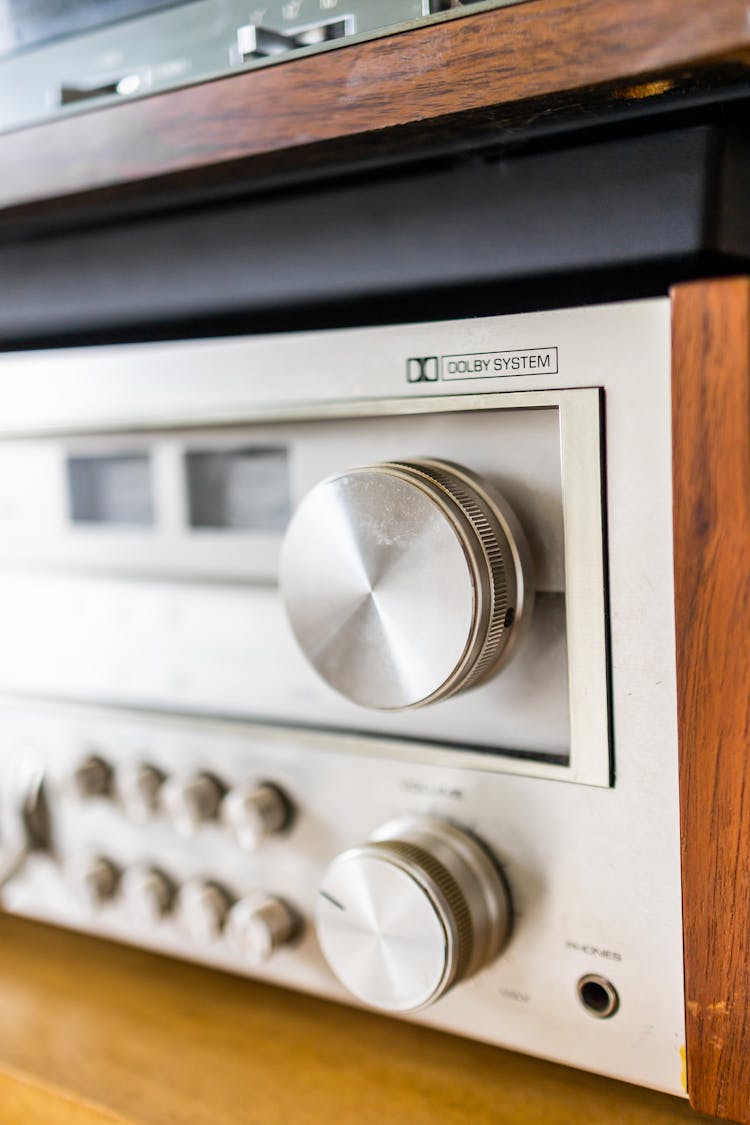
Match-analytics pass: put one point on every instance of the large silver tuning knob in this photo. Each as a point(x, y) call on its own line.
point(414, 911)
point(405, 582)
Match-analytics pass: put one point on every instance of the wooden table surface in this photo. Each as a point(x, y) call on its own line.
point(92, 1033)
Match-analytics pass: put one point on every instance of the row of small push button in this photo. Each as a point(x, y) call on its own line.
point(252, 811)
point(255, 925)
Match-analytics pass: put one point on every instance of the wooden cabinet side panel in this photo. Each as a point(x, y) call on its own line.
point(711, 477)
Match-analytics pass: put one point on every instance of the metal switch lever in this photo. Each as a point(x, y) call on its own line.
point(255, 42)
point(123, 85)
point(261, 42)
point(24, 818)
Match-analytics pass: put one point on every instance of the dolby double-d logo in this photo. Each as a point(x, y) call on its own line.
point(422, 369)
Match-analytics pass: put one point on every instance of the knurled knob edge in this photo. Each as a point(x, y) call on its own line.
point(494, 547)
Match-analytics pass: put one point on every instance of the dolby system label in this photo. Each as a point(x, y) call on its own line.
point(481, 365)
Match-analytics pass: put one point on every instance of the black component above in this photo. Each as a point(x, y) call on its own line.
point(623, 217)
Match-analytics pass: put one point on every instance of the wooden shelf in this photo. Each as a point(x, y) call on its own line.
point(97, 1033)
point(439, 80)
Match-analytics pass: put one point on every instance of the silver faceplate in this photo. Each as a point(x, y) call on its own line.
point(593, 868)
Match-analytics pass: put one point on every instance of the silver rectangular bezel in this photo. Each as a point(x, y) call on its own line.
point(579, 410)
point(578, 414)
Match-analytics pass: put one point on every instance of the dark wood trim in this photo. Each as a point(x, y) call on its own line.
point(711, 433)
point(461, 67)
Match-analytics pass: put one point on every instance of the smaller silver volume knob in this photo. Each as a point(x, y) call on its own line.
point(92, 778)
point(203, 907)
point(95, 879)
point(148, 893)
point(254, 811)
point(192, 801)
point(260, 924)
point(417, 909)
point(138, 786)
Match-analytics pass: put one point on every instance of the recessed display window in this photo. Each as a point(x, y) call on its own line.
point(110, 489)
point(239, 489)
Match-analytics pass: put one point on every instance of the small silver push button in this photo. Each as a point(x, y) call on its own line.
point(259, 925)
point(192, 801)
point(255, 811)
point(92, 778)
point(203, 907)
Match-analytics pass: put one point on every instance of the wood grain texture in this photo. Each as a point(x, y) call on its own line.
point(711, 434)
point(463, 69)
point(157, 1042)
point(26, 1102)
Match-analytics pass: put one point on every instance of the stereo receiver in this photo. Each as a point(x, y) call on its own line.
point(347, 660)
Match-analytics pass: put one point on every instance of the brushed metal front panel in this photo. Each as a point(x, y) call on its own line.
point(587, 834)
